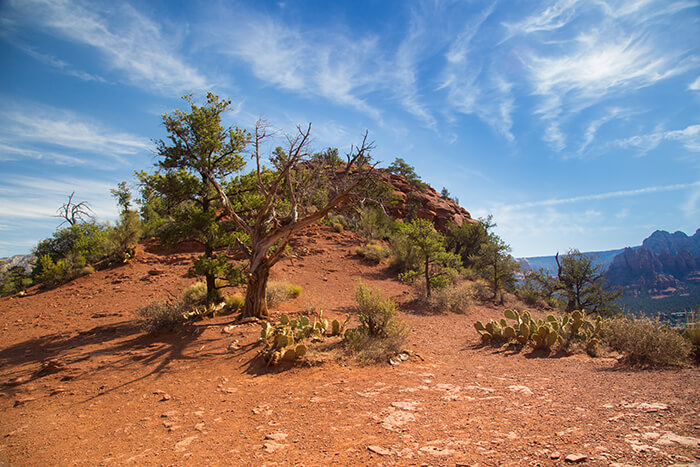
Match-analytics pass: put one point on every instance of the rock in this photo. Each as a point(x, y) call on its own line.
point(521, 389)
point(228, 329)
point(668, 439)
point(435, 451)
point(279, 436)
point(156, 272)
point(408, 405)
point(233, 346)
point(396, 419)
point(379, 450)
point(272, 446)
point(576, 458)
point(555, 455)
point(23, 400)
point(165, 397)
point(169, 413)
point(182, 445)
point(200, 427)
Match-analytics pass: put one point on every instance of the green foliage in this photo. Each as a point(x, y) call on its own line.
point(374, 251)
point(466, 240)
point(583, 284)
point(407, 171)
point(647, 342)
point(125, 236)
point(329, 158)
point(563, 332)
point(380, 334)
point(180, 201)
point(168, 316)
point(12, 280)
point(420, 244)
point(495, 264)
point(66, 254)
point(280, 292)
point(374, 224)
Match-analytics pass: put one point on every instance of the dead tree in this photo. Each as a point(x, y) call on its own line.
point(72, 213)
point(283, 205)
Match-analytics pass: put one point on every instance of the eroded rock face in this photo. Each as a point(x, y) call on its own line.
point(423, 202)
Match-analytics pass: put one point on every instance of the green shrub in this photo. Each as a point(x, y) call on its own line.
point(404, 257)
point(196, 294)
point(374, 224)
point(380, 334)
point(162, 316)
point(280, 292)
point(646, 342)
point(374, 251)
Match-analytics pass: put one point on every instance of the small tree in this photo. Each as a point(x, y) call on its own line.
point(407, 171)
point(198, 154)
point(429, 245)
point(273, 205)
point(466, 240)
point(127, 232)
point(495, 263)
point(584, 284)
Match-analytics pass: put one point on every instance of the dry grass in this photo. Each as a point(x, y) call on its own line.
point(280, 292)
point(646, 342)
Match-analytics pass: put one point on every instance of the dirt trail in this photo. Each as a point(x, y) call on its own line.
point(81, 386)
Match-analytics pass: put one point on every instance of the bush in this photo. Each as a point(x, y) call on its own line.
point(646, 342)
point(692, 331)
point(196, 294)
point(479, 290)
point(374, 224)
point(374, 252)
point(280, 292)
point(233, 303)
point(454, 298)
point(162, 316)
point(403, 256)
point(380, 334)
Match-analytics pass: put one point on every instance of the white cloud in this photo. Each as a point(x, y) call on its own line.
point(128, 41)
point(688, 137)
point(595, 125)
point(604, 196)
point(628, 49)
point(25, 128)
point(333, 66)
point(695, 85)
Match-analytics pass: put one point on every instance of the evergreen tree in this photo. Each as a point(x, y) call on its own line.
point(197, 153)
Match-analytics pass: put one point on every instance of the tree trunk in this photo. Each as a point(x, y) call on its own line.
point(427, 276)
point(255, 301)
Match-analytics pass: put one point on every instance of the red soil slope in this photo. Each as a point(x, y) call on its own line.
point(80, 385)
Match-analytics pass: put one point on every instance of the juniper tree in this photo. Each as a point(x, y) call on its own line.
point(197, 154)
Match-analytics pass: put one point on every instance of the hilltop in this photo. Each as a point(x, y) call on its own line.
point(83, 386)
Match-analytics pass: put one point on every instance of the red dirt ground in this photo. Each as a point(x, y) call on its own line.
point(80, 385)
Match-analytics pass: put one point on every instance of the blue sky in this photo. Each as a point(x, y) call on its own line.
point(576, 123)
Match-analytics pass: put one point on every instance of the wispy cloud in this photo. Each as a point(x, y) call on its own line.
point(335, 67)
point(695, 85)
point(472, 83)
point(688, 137)
point(126, 39)
point(571, 67)
point(604, 196)
point(27, 130)
point(595, 125)
point(58, 64)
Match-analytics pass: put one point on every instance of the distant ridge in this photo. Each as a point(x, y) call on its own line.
point(549, 264)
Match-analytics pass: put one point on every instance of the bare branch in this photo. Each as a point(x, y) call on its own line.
point(72, 213)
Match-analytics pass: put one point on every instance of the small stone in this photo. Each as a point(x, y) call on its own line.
point(521, 389)
point(277, 436)
point(23, 400)
point(166, 397)
point(156, 272)
point(555, 455)
point(379, 450)
point(272, 446)
point(199, 427)
point(669, 438)
point(432, 450)
point(228, 329)
point(182, 445)
point(575, 458)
